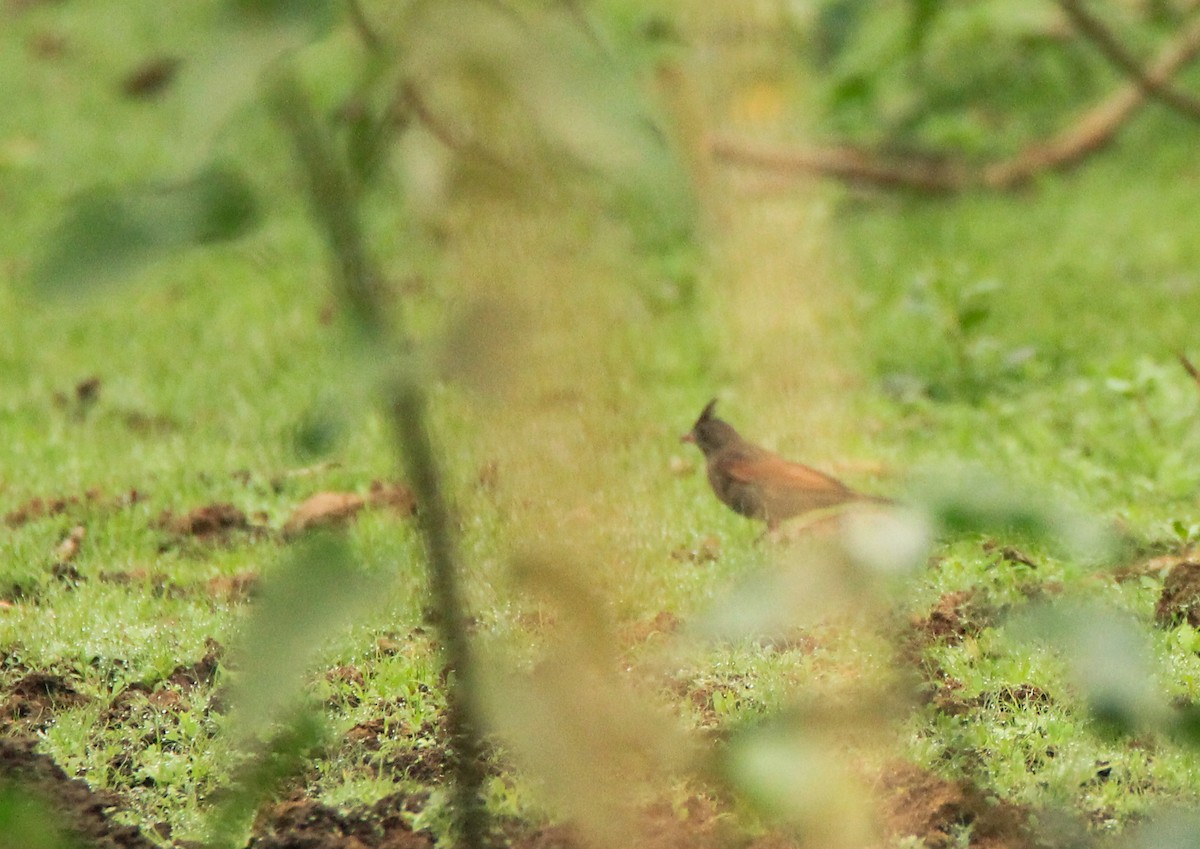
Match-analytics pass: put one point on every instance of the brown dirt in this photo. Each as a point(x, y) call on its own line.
point(323, 510)
point(35, 697)
point(43, 507)
point(150, 78)
point(333, 509)
point(211, 522)
point(915, 803)
point(429, 765)
point(229, 588)
point(233, 588)
point(77, 809)
point(699, 823)
point(954, 616)
point(1157, 566)
point(36, 508)
point(663, 624)
point(1180, 599)
point(168, 694)
point(203, 671)
point(159, 584)
point(304, 824)
point(367, 734)
point(920, 804)
point(395, 495)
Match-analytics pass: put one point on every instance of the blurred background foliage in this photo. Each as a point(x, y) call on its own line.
point(976, 79)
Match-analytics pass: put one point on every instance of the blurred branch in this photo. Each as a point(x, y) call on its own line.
point(332, 202)
point(847, 163)
point(1189, 366)
point(444, 133)
point(362, 25)
point(1089, 134)
point(1096, 31)
point(579, 14)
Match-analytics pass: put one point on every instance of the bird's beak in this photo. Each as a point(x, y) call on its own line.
point(688, 437)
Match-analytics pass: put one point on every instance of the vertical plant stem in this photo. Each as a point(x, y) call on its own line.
point(335, 209)
point(409, 417)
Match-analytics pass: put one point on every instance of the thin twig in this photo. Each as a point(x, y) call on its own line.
point(333, 205)
point(362, 26)
point(847, 163)
point(460, 143)
point(1096, 31)
point(1189, 366)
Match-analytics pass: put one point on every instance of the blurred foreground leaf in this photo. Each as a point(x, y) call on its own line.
point(28, 822)
point(225, 77)
point(1108, 657)
point(802, 776)
point(532, 95)
point(109, 232)
point(311, 599)
point(843, 564)
point(288, 752)
point(600, 745)
point(314, 597)
point(1171, 829)
point(311, 16)
point(965, 500)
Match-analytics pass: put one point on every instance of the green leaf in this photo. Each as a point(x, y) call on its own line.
point(794, 769)
point(315, 596)
point(225, 77)
point(972, 315)
point(285, 755)
point(1109, 657)
point(1167, 829)
point(28, 822)
point(923, 13)
point(109, 232)
point(972, 500)
point(314, 16)
point(539, 92)
point(224, 206)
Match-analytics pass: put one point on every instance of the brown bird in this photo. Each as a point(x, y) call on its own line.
point(758, 483)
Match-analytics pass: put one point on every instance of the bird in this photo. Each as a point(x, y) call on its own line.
point(758, 483)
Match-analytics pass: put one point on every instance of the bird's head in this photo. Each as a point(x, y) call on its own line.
point(709, 433)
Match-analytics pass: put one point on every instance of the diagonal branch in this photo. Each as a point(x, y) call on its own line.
point(362, 26)
point(1100, 125)
point(1188, 366)
point(1096, 31)
point(1089, 134)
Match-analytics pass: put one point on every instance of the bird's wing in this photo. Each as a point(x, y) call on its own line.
point(767, 468)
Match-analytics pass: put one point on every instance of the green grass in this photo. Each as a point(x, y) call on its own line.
point(822, 320)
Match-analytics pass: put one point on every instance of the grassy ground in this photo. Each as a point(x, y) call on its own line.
point(883, 339)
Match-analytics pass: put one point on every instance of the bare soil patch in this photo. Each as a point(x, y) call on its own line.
point(211, 522)
point(1180, 599)
point(332, 509)
point(76, 808)
point(41, 507)
point(35, 697)
point(302, 823)
point(919, 804)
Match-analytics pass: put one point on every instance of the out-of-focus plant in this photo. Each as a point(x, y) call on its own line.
point(445, 99)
